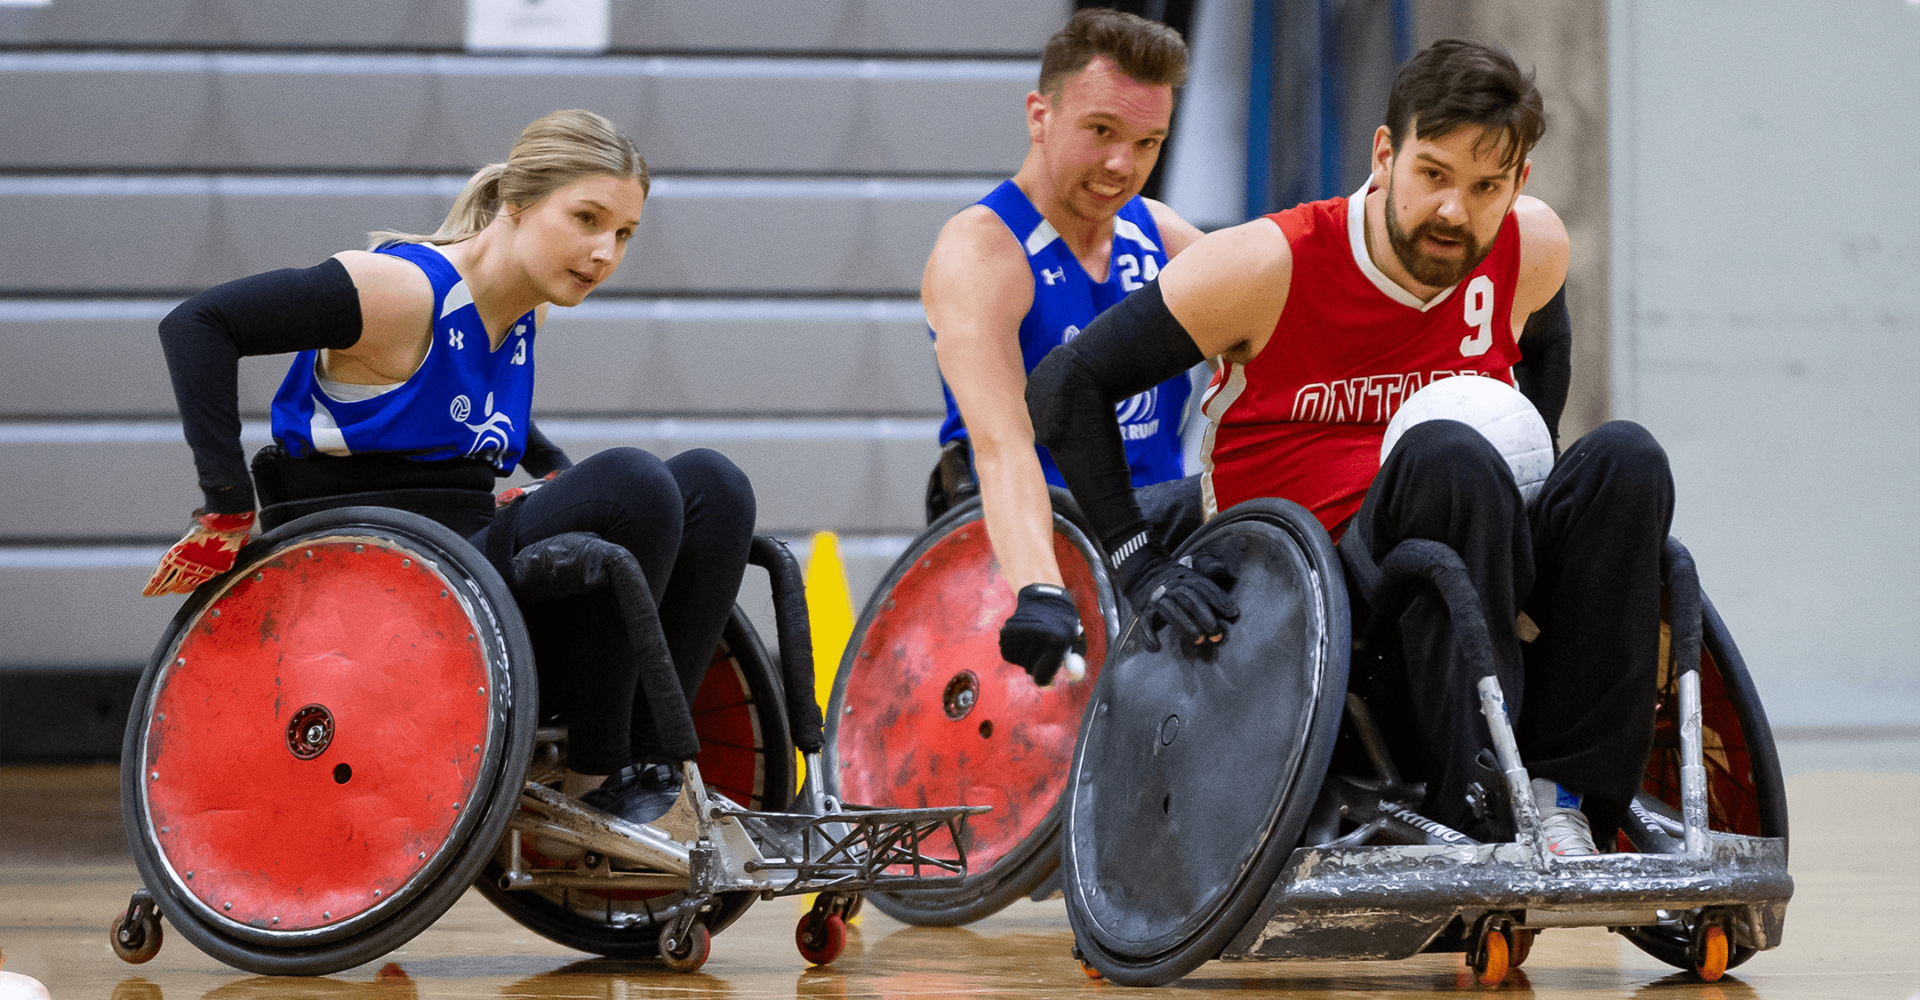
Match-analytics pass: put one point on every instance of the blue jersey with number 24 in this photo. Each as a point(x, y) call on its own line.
point(1065, 300)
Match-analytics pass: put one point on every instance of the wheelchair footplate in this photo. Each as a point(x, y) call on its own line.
point(707, 847)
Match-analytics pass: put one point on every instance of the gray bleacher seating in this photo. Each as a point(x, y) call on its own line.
point(805, 27)
point(257, 111)
point(804, 157)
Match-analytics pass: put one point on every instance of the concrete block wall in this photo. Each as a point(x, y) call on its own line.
point(804, 156)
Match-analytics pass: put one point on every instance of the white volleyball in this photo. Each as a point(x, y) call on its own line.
point(1497, 410)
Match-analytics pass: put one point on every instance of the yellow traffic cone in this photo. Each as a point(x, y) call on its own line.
point(829, 611)
point(830, 615)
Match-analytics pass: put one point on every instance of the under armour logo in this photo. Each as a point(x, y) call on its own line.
point(1054, 274)
point(457, 340)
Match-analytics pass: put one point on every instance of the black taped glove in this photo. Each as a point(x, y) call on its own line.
point(1043, 631)
point(1190, 595)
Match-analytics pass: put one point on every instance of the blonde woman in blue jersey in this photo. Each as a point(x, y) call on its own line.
point(413, 387)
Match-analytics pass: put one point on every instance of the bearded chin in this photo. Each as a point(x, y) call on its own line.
point(1432, 272)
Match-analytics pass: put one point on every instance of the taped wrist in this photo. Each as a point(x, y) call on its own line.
point(1128, 349)
point(292, 309)
point(1545, 369)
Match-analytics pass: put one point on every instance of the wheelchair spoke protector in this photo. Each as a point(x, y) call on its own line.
point(925, 712)
point(321, 738)
point(1197, 769)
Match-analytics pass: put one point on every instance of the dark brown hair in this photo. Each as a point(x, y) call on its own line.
point(1148, 52)
point(1452, 83)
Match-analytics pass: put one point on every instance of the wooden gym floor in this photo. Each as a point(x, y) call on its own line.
point(1853, 929)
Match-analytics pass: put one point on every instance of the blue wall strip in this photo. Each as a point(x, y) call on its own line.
point(1260, 109)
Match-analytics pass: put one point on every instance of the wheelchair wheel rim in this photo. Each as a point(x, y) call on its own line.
point(296, 805)
point(924, 710)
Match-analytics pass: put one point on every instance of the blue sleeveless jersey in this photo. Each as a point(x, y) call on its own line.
point(1065, 300)
point(465, 400)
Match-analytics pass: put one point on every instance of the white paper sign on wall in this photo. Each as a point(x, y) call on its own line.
point(537, 25)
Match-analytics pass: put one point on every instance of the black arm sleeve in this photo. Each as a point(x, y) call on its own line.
point(1546, 361)
point(204, 339)
point(542, 455)
point(1128, 349)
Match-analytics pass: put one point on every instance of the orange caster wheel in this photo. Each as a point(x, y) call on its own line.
point(1710, 953)
point(1490, 962)
point(1522, 947)
point(690, 952)
point(135, 934)
point(1085, 966)
point(821, 937)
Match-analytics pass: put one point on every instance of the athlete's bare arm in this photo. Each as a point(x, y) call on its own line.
point(1543, 258)
point(1228, 289)
point(976, 289)
point(396, 320)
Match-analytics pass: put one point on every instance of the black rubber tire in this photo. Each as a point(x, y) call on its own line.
point(511, 659)
point(1018, 873)
point(1155, 963)
point(1673, 946)
point(555, 920)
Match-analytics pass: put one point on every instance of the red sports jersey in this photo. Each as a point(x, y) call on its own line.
point(1304, 420)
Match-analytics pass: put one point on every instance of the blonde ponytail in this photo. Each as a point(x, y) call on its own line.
point(551, 153)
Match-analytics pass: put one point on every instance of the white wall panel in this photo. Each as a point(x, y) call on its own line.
point(1766, 264)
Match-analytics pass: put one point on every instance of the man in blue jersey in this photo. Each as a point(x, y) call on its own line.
point(1033, 263)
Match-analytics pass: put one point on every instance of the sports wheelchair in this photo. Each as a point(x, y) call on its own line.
point(1205, 817)
point(925, 710)
point(338, 737)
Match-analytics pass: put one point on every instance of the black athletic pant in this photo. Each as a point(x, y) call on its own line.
point(689, 521)
point(1583, 561)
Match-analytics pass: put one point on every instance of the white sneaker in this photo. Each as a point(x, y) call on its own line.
point(1561, 822)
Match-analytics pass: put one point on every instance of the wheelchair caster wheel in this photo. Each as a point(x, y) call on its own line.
point(1522, 947)
point(135, 934)
point(821, 937)
point(690, 952)
point(1710, 952)
point(1490, 962)
point(1089, 970)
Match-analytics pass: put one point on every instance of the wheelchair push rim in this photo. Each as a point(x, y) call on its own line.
point(746, 753)
point(1196, 772)
point(925, 711)
point(327, 741)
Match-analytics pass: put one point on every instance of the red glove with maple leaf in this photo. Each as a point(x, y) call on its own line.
point(206, 551)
